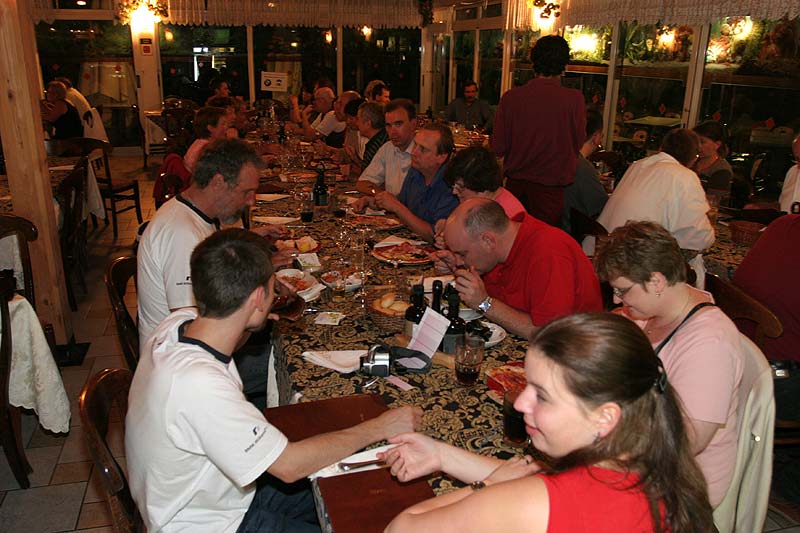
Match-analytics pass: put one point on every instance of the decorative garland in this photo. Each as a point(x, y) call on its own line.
point(425, 8)
point(159, 8)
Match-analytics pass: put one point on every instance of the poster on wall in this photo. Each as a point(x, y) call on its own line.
point(274, 81)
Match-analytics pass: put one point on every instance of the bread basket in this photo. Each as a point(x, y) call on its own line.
point(744, 232)
point(389, 323)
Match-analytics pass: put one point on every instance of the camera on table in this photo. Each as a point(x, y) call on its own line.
point(376, 362)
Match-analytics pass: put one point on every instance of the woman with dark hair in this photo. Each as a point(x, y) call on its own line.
point(60, 113)
point(698, 343)
point(599, 404)
point(210, 123)
point(711, 165)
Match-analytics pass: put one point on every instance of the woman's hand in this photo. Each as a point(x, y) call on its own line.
point(417, 455)
point(514, 468)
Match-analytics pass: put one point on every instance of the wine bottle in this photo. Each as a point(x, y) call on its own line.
point(457, 328)
point(438, 287)
point(320, 190)
point(415, 312)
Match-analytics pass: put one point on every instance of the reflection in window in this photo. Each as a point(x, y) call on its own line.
point(463, 55)
point(751, 84)
point(590, 52)
point(491, 65)
point(655, 64)
point(522, 42)
point(391, 55)
point(97, 57)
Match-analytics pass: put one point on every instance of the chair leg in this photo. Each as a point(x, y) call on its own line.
point(136, 201)
point(114, 218)
point(94, 221)
point(70, 291)
point(12, 446)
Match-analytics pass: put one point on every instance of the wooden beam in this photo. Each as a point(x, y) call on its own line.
point(26, 161)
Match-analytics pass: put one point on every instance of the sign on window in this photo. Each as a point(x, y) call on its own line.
point(274, 81)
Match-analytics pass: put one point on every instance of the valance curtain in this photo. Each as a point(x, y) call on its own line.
point(689, 12)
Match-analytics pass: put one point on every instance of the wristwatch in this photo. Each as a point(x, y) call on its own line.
point(485, 305)
point(477, 485)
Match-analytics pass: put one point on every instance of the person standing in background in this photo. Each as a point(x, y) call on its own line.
point(538, 130)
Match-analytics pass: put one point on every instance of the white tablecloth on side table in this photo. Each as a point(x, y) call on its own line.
point(35, 382)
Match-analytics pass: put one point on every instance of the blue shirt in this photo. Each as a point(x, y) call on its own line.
point(429, 202)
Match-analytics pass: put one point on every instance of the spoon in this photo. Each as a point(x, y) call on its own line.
point(346, 467)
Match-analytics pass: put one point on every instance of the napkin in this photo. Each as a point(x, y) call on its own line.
point(344, 361)
point(275, 220)
point(311, 292)
point(308, 260)
point(446, 280)
point(366, 455)
point(374, 212)
point(270, 197)
point(329, 318)
point(393, 241)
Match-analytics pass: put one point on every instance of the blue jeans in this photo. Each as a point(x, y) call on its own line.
point(278, 508)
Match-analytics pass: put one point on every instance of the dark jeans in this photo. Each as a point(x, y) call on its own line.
point(279, 507)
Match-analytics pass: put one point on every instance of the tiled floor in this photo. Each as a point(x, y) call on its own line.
point(65, 493)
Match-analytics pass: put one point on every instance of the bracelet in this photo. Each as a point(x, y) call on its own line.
point(477, 485)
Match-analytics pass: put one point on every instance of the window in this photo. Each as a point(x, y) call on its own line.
point(390, 55)
point(590, 51)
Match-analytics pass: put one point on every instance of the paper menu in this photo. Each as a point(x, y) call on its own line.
point(430, 332)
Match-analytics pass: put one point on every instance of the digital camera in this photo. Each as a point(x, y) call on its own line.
point(376, 362)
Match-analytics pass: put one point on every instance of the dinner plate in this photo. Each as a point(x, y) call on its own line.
point(308, 278)
point(351, 283)
point(384, 254)
point(498, 334)
point(315, 249)
point(376, 222)
point(275, 220)
point(468, 314)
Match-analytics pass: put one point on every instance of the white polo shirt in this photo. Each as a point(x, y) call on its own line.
point(194, 444)
point(163, 275)
point(389, 167)
point(327, 124)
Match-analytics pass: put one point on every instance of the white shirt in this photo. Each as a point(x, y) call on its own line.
point(389, 167)
point(194, 445)
point(659, 189)
point(75, 98)
point(791, 188)
point(327, 124)
point(163, 276)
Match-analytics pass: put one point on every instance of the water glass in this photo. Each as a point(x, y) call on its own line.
point(469, 357)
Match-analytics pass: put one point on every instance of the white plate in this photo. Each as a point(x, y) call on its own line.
point(275, 220)
point(292, 273)
point(468, 314)
point(351, 283)
point(498, 334)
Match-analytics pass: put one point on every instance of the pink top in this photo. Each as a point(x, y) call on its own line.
point(193, 154)
point(704, 362)
point(513, 208)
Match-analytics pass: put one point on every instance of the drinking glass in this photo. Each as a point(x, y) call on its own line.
point(469, 356)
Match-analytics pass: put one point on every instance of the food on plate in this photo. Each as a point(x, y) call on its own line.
point(404, 253)
point(388, 304)
point(349, 274)
point(506, 377)
point(298, 283)
point(375, 222)
point(303, 245)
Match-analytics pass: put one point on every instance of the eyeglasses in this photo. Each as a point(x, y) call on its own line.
point(620, 293)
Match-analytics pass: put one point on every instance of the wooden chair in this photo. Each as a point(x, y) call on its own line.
point(118, 273)
point(25, 231)
point(71, 195)
point(737, 304)
point(113, 190)
point(583, 225)
point(10, 420)
point(105, 388)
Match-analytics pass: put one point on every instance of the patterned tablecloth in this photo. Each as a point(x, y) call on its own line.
point(725, 256)
point(463, 416)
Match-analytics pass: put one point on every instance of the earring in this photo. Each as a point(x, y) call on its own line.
point(596, 438)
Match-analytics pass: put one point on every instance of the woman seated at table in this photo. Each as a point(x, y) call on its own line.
point(712, 168)
point(599, 405)
point(698, 343)
point(210, 123)
point(60, 113)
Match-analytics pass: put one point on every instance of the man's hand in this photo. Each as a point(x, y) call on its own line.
point(388, 201)
point(351, 153)
point(438, 234)
point(514, 468)
point(362, 203)
point(271, 231)
point(444, 261)
point(417, 455)
point(470, 287)
point(400, 420)
point(284, 257)
point(306, 113)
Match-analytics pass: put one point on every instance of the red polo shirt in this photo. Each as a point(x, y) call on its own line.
point(546, 275)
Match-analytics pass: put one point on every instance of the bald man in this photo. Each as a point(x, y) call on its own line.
point(519, 274)
point(325, 126)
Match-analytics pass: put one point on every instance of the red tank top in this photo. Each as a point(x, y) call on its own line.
point(596, 500)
